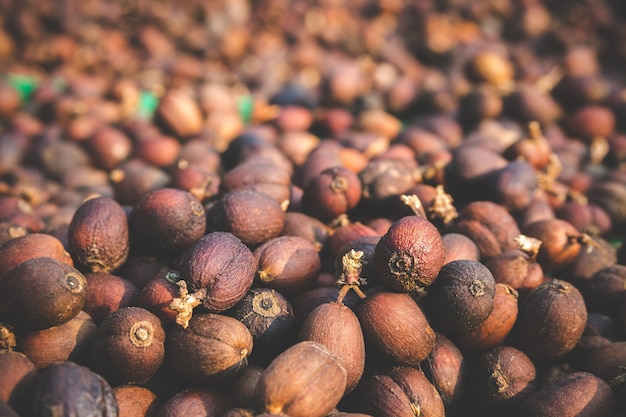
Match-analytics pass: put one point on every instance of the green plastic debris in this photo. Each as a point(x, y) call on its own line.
point(147, 105)
point(245, 105)
point(25, 85)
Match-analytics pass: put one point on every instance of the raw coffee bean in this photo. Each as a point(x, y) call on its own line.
point(457, 246)
point(587, 218)
point(513, 186)
point(108, 147)
point(266, 178)
point(528, 104)
point(157, 296)
point(197, 180)
point(179, 113)
point(502, 378)
point(33, 245)
point(306, 380)
point(489, 225)
point(561, 242)
point(142, 269)
point(166, 222)
point(136, 401)
point(107, 293)
point(333, 192)
point(516, 269)
point(310, 228)
point(446, 368)
point(490, 66)
point(550, 321)
point(288, 264)
point(98, 235)
point(134, 178)
point(252, 216)
point(410, 255)
point(606, 290)
point(400, 392)
point(579, 394)
point(129, 346)
point(609, 363)
point(345, 234)
point(595, 255)
point(41, 293)
point(385, 179)
point(462, 296)
point(590, 122)
point(306, 301)
point(269, 317)
point(395, 327)
point(494, 330)
point(213, 349)
point(198, 401)
point(242, 390)
point(68, 341)
point(469, 164)
point(160, 151)
point(221, 267)
point(337, 327)
point(17, 371)
point(72, 388)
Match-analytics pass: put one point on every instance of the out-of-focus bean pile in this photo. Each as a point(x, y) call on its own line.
point(312, 208)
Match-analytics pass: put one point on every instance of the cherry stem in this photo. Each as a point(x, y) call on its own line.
point(442, 207)
point(529, 245)
point(185, 303)
point(7, 338)
point(349, 279)
point(414, 204)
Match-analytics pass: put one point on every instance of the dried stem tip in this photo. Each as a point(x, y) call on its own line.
point(528, 244)
point(7, 338)
point(442, 207)
point(415, 204)
point(349, 279)
point(185, 303)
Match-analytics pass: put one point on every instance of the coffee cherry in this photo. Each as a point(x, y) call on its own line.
point(462, 296)
point(166, 222)
point(333, 192)
point(252, 216)
point(213, 349)
point(550, 321)
point(395, 328)
point(129, 346)
point(306, 380)
point(446, 368)
point(68, 341)
point(578, 394)
point(401, 392)
point(220, 268)
point(410, 255)
point(337, 327)
point(269, 317)
point(41, 293)
point(288, 264)
point(72, 388)
point(98, 235)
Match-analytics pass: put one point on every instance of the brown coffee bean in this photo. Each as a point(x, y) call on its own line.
point(214, 349)
point(550, 321)
point(98, 235)
point(410, 255)
point(41, 293)
point(305, 380)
